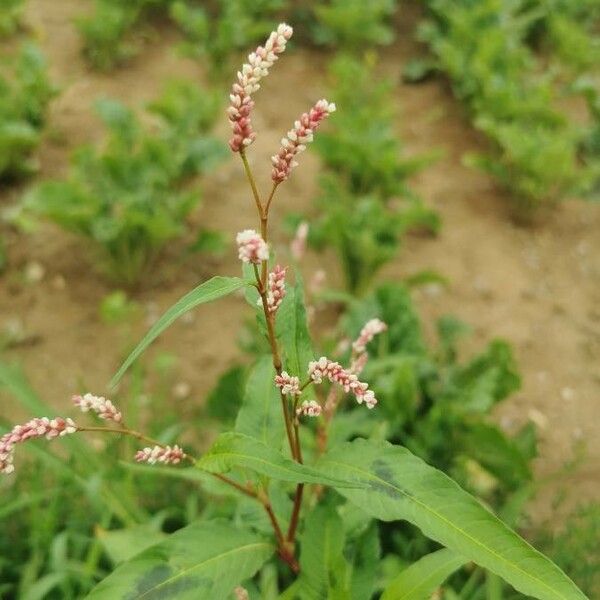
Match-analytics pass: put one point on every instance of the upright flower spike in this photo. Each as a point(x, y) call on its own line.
point(334, 372)
point(104, 408)
point(367, 333)
point(275, 289)
point(251, 247)
point(35, 428)
point(298, 244)
point(248, 82)
point(309, 408)
point(297, 138)
point(166, 455)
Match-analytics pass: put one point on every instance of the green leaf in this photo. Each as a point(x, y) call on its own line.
point(401, 486)
point(200, 562)
point(292, 329)
point(210, 290)
point(424, 577)
point(236, 450)
point(324, 571)
point(124, 544)
point(261, 416)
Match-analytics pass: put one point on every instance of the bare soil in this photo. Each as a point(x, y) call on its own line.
point(538, 287)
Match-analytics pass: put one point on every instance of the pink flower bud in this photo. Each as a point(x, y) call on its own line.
point(257, 67)
point(309, 408)
point(104, 408)
point(35, 428)
point(166, 455)
point(275, 289)
point(288, 384)
point(297, 138)
point(251, 247)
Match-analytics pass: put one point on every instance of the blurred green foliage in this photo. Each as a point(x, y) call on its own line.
point(130, 197)
point(482, 46)
point(25, 92)
point(10, 17)
point(365, 205)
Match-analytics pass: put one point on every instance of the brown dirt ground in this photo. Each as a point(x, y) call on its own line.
point(537, 287)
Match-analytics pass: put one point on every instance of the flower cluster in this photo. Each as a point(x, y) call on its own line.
point(298, 244)
point(309, 408)
point(297, 138)
point(367, 333)
point(334, 372)
point(104, 408)
point(257, 67)
point(35, 428)
point(251, 247)
point(166, 455)
point(288, 384)
point(275, 289)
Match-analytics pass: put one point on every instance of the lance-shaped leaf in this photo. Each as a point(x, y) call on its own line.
point(424, 576)
point(236, 450)
point(210, 290)
point(261, 415)
point(200, 562)
point(402, 486)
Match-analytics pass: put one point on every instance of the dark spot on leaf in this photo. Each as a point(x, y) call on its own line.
point(381, 469)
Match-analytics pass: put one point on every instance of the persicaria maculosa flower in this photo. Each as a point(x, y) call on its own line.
point(35, 428)
point(288, 384)
point(275, 289)
point(309, 408)
point(298, 244)
point(251, 247)
point(367, 333)
point(104, 408)
point(166, 455)
point(257, 67)
point(297, 138)
point(334, 372)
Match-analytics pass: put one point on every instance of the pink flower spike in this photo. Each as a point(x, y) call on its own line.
point(368, 332)
point(166, 455)
point(297, 138)
point(334, 372)
point(104, 408)
point(298, 244)
point(275, 289)
point(35, 428)
point(251, 247)
point(309, 408)
point(257, 67)
point(288, 384)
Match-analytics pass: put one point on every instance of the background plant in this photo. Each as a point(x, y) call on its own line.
point(25, 92)
point(130, 198)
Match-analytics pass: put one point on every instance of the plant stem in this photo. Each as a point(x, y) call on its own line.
point(252, 183)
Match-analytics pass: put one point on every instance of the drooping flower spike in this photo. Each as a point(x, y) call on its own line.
point(166, 455)
point(251, 247)
point(248, 82)
point(35, 428)
point(104, 408)
point(297, 138)
point(334, 372)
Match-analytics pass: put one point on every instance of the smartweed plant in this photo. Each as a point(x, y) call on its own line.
point(320, 500)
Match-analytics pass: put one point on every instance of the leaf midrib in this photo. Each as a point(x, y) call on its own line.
point(240, 549)
point(453, 526)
